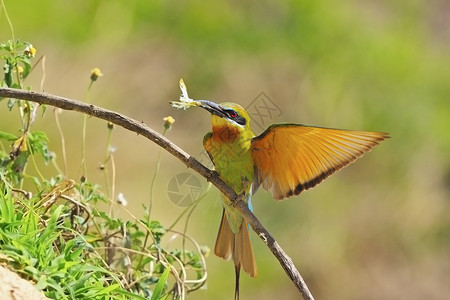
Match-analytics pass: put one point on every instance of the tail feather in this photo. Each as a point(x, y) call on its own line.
point(237, 246)
point(243, 251)
point(237, 270)
point(225, 240)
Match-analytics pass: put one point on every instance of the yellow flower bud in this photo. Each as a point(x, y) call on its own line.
point(168, 121)
point(95, 74)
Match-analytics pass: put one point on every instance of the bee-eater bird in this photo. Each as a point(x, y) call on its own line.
point(286, 159)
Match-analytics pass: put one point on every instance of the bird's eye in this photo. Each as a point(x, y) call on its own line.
point(233, 114)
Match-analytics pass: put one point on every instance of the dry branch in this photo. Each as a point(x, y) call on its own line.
point(212, 176)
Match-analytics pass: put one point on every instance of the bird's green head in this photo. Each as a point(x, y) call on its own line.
point(228, 116)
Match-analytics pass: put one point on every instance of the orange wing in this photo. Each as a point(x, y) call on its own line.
point(290, 158)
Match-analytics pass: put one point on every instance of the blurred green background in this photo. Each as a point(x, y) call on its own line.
point(379, 229)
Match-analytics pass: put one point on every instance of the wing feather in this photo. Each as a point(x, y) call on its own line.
point(290, 158)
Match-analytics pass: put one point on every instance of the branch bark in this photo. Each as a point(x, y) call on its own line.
point(210, 175)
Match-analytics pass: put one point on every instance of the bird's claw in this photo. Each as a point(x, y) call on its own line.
point(240, 197)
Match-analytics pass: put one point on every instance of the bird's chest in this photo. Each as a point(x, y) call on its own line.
point(234, 163)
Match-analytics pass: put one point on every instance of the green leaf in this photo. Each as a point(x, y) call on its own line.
point(20, 162)
point(38, 142)
point(7, 207)
point(26, 66)
point(4, 46)
point(31, 271)
point(49, 234)
point(11, 103)
point(7, 136)
point(160, 285)
point(108, 289)
point(7, 69)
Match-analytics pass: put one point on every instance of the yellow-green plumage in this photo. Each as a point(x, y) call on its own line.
point(286, 159)
point(229, 149)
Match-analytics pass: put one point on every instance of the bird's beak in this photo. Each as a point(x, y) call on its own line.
point(213, 108)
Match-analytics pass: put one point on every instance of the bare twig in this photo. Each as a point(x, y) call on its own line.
point(189, 161)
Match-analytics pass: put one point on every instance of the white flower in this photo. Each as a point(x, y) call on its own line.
point(185, 102)
point(122, 200)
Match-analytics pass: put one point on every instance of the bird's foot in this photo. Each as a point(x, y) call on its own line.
point(240, 197)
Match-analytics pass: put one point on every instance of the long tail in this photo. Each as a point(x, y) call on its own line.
point(237, 270)
point(237, 246)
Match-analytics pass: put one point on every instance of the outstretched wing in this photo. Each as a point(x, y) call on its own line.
point(290, 158)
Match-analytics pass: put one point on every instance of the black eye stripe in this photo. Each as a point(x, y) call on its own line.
point(236, 117)
point(232, 113)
